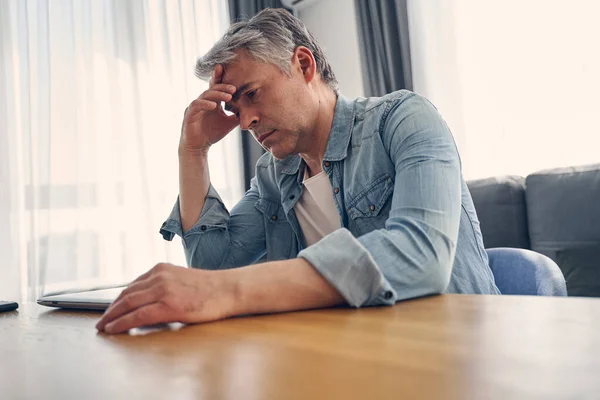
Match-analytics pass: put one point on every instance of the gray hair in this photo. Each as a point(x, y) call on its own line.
point(271, 37)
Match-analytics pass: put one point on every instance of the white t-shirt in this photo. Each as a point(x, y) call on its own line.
point(315, 209)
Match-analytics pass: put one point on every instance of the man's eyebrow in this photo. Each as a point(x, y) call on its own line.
point(236, 96)
point(238, 93)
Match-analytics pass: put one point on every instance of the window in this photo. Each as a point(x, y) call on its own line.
point(96, 95)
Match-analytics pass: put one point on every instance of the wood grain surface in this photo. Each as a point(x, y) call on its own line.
point(450, 346)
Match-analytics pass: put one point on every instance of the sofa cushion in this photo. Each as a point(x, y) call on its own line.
point(581, 268)
point(563, 208)
point(500, 206)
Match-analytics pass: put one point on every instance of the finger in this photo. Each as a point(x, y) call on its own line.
point(214, 78)
point(218, 74)
point(134, 287)
point(150, 314)
point(128, 304)
point(198, 106)
point(223, 87)
point(133, 284)
point(230, 119)
point(215, 95)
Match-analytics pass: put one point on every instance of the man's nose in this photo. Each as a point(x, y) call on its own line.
point(248, 119)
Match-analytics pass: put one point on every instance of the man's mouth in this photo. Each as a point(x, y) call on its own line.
point(263, 136)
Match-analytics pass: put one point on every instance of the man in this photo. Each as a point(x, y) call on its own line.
point(358, 202)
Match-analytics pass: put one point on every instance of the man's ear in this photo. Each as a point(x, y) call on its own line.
point(304, 60)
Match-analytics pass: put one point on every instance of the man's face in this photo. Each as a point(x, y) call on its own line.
point(280, 111)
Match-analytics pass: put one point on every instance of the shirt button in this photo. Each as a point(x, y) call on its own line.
point(274, 217)
point(388, 295)
point(327, 163)
point(372, 208)
point(336, 190)
point(292, 197)
point(203, 227)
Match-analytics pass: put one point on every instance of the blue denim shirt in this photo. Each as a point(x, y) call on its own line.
point(409, 227)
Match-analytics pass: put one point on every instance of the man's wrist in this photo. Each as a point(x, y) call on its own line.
point(231, 289)
point(243, 291)
point(185, 149)
point(188, 152)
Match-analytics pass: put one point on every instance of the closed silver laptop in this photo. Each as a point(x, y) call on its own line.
point(88, 300)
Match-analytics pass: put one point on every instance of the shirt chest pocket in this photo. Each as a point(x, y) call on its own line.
point(370, 208)
point(279, 235)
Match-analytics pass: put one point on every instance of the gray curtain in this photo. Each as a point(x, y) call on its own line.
point(242, 10)
point(384, 45)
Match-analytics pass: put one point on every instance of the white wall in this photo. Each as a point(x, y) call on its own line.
point(518, 100)
point(333, 22)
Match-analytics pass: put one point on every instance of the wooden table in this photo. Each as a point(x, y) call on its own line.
point(451, 346)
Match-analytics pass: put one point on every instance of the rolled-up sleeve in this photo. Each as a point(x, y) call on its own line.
point(413, 255)
point(220, 240)
point(213, 215)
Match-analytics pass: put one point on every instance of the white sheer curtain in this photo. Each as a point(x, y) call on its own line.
point(517, 81)
point(92, 97)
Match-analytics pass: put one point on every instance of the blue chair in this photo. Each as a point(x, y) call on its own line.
point(525, 272)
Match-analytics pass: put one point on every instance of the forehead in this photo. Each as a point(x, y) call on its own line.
point(244, 69)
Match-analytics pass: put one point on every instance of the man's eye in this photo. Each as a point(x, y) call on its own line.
point(251, 94)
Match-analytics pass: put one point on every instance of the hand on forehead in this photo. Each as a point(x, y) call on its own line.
point(231, 74)
point(243, 69)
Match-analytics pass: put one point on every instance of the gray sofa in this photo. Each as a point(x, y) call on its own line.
point(555, 212)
